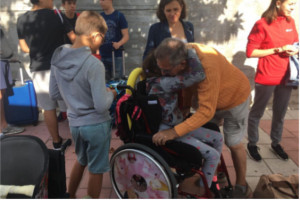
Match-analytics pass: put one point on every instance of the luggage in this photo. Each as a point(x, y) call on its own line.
point(114, 82)
point(20, 104)
point(57, 172)
point(114, 64)
point(277, 186)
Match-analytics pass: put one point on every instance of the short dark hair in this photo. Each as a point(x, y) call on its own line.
point(64, 1)
point(34, 2)
point(162, 4)
point(173, 49)
point(89, 21)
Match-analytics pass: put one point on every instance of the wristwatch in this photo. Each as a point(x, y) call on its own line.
point(277, 50)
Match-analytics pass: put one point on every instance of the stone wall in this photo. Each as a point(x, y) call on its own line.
point(223, 24)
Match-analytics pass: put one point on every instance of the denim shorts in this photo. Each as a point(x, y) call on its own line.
point(92, 143)
point(235, 123)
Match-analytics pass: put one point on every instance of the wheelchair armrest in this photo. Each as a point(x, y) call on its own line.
point(175, 148)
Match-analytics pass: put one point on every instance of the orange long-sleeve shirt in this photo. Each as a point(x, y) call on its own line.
point(225, 87)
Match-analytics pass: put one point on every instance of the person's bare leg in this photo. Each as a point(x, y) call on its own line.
point(52, 124)
point(94, 185)
point(239, 158)
point(3, 120)
point(75, 178)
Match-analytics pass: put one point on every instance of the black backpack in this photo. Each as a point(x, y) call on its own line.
point(143, 110)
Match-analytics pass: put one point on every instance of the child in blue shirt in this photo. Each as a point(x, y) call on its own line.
point(116, 36)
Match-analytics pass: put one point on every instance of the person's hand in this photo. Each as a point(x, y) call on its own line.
point(113, 91)
point(161, 137)
point(290, 50)
point(116, 45)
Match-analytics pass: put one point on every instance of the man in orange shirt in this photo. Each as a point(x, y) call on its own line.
point(224, 94)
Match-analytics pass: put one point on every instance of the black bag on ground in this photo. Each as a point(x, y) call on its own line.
point(57, 173)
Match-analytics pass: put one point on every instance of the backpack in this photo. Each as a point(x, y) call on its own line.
point(277, 186)
point(138, 113)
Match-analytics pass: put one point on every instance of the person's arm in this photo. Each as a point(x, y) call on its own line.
point(102, 97)
point(189, 31)
point(71, 35)
point(288, 49)
point(194, 75)
point(125, 38)
point(53, 87)
point(23, 45)
point(257, 37)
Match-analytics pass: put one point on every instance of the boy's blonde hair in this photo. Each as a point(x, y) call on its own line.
point(88, 22)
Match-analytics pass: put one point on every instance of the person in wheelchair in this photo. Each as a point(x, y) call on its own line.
point(166, 85)
point(224, 94)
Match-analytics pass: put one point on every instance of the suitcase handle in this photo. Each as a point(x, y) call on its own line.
point(114, 63)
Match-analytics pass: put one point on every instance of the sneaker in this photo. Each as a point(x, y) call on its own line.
point(57, 145)
point(238, 192)
point(253, 152)
point(280, 152)
point(9, 130)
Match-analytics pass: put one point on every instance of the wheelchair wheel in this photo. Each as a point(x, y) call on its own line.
point(139, 172)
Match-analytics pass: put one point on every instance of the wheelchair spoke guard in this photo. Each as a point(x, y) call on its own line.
point(139, 172)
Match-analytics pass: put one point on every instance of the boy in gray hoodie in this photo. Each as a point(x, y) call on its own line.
point(79, 79)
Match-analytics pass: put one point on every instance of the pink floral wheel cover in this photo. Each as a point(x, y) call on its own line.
point(136, 174)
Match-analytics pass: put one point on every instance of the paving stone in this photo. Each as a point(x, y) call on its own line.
point(256, 169)
point(283, 167)
point(294, 155)
point(252, 182)
point(267, 115)
point(292, 114)
point(265, 151)
point(264, 138)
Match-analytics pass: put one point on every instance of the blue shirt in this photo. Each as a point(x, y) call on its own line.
point(115, 23)
point(160, 31)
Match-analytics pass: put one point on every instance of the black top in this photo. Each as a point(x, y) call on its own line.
point(72, 22)
point(43, 31)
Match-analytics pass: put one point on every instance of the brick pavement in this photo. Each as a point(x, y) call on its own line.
point(270, 163)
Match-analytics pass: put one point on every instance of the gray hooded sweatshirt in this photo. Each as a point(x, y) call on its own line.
point(78, 78)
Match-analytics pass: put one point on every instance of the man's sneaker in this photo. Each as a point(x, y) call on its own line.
point(9, 130)
point(253, 152)
point(57, 145)
point(240, 192)
point(280, 152)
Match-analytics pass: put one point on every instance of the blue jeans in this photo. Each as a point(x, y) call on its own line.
point(109, 68)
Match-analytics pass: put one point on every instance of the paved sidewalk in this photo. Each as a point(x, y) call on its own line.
point(270, 163)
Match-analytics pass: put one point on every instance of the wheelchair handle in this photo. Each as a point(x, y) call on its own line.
point(123, 87)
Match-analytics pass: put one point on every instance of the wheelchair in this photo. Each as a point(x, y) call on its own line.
point(140, 169)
